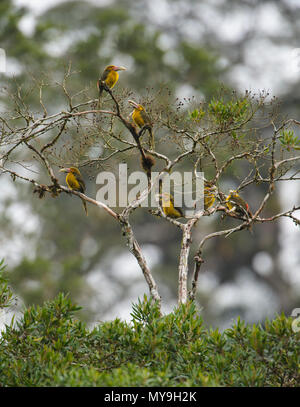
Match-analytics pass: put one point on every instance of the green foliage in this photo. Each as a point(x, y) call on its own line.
point(49, 347)
point(231, 112)
point(196, 115)
point(288, 140)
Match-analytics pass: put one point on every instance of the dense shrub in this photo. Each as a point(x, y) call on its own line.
point(48, 346)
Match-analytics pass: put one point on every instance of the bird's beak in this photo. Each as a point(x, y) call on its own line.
point(64, 170)
point(133, 103)
point(119, 68)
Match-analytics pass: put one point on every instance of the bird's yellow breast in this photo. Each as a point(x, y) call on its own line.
point(138, 118)
point(72, 182)
point(112, 79)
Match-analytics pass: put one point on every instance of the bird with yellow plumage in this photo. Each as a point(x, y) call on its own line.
point(109, 78)
point(75, 182)
point(237, 204)
point(210, 191)
point(167, 205)
point(142, 120)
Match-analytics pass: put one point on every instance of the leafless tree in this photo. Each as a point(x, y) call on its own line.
point(204, 136)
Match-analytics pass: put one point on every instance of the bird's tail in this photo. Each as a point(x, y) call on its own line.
point(100, 89)
point(152, 142)
point(85, 207)
point(99, 101)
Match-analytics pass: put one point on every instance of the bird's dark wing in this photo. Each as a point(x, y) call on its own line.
point(81, 183)
point(145, 117)
point(176, 207)
point(104, 75)
point(179, 210)
point(100, 86)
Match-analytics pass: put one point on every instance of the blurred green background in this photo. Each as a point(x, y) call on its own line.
point(191, 47)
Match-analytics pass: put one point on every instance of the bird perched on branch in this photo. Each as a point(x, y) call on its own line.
point(75, 182)
point(210, 191)
point(167, 203)
point(141, 118)
point(237, 204)
point(109, 78)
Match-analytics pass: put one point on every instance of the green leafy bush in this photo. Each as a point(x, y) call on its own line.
point(48, 346)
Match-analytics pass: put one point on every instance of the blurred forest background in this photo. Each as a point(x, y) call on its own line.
point(192, 47)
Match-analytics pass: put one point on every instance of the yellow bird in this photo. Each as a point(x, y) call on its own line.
point(75, 182)
point(210, 191)
point(141, 118)
point(237, 204)
point(109, 77)
point(167, 203)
